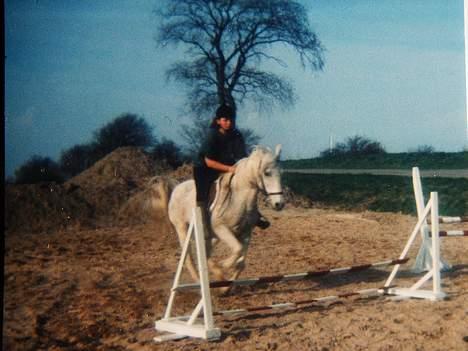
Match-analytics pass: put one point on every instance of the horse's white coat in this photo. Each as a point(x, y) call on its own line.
point(234, 212)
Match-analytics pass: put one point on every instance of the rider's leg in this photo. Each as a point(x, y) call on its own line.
point(262, 222)
point(203, 180)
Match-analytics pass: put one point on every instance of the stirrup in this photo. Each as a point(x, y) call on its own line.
point(262, 223)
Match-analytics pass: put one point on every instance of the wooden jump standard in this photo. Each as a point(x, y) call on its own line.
point(194, 326)
point(423, 260)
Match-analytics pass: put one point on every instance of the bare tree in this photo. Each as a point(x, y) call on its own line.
point(226, 41)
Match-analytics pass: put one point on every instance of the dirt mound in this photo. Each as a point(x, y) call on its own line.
point(130, 166)
point(182, 173)
point(45, 207)
point(92, 198)
point(109, 183)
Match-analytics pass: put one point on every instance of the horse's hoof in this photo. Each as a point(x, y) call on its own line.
point(225, 292)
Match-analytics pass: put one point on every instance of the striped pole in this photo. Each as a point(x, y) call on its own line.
point(444, 219)
point(292, 277)
point(452, 233)
point(321, 301)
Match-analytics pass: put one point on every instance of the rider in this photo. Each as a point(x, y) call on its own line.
point(222, 148)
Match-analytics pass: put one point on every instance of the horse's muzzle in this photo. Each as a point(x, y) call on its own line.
point(278, 206)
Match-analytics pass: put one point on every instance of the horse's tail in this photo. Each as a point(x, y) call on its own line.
point(160, 189)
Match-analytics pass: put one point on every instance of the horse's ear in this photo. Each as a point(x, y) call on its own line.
point(277, 151)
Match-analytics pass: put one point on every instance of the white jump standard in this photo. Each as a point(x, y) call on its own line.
point(194, 326)
point(423, 259)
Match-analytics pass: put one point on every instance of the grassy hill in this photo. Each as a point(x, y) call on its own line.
point(433, 160)
point(378, 193)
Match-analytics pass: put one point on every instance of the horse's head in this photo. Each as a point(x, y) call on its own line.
point(268, 175)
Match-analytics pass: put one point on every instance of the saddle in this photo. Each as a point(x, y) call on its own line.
point(219, 190)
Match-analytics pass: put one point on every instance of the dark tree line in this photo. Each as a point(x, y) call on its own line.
point(125, 130)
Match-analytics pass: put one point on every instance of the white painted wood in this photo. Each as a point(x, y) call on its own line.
point(180, 267)
point(423, 260)
point(203, 269)
point(196, 312)
point(409, 243)
point(180, 327)
point(423, 280)
point(191, 326)
point(435, 243)
point(169, 337)
point(419, 294)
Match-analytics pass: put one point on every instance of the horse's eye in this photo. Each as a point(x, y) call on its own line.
point(267, 173)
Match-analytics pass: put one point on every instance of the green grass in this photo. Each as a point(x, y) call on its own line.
point(435, 160)
point(379, 193)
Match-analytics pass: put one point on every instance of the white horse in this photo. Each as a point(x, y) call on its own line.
point(234, 211)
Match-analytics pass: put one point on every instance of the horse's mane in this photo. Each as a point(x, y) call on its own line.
point(257, 150)
point(264, 149)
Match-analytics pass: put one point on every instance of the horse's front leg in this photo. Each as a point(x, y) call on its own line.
point(227, 236)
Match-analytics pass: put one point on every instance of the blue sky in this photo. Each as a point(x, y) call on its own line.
point(394, 72)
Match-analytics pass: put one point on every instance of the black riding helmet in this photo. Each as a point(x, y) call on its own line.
point(224, 111)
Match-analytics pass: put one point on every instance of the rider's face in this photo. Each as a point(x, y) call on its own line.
point(224, 124)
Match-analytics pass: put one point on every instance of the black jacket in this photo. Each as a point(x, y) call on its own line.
point(226, 148)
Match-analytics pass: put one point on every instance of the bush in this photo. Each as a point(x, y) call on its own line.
point(168, 152)
point(38, 169)
point(423, 149)
point(125, 130)
point(76, 159)
point(356, 145)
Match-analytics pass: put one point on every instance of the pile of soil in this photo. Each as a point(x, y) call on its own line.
point(45, 207)
point(91, 199)
point(110, 182)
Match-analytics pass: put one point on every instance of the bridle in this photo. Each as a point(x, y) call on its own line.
point(266, 193)
point(270, 194)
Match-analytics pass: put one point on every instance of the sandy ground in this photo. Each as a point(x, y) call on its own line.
point(103, 289)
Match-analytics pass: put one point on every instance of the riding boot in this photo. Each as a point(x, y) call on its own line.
point(262, 222)
point(205, 214)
